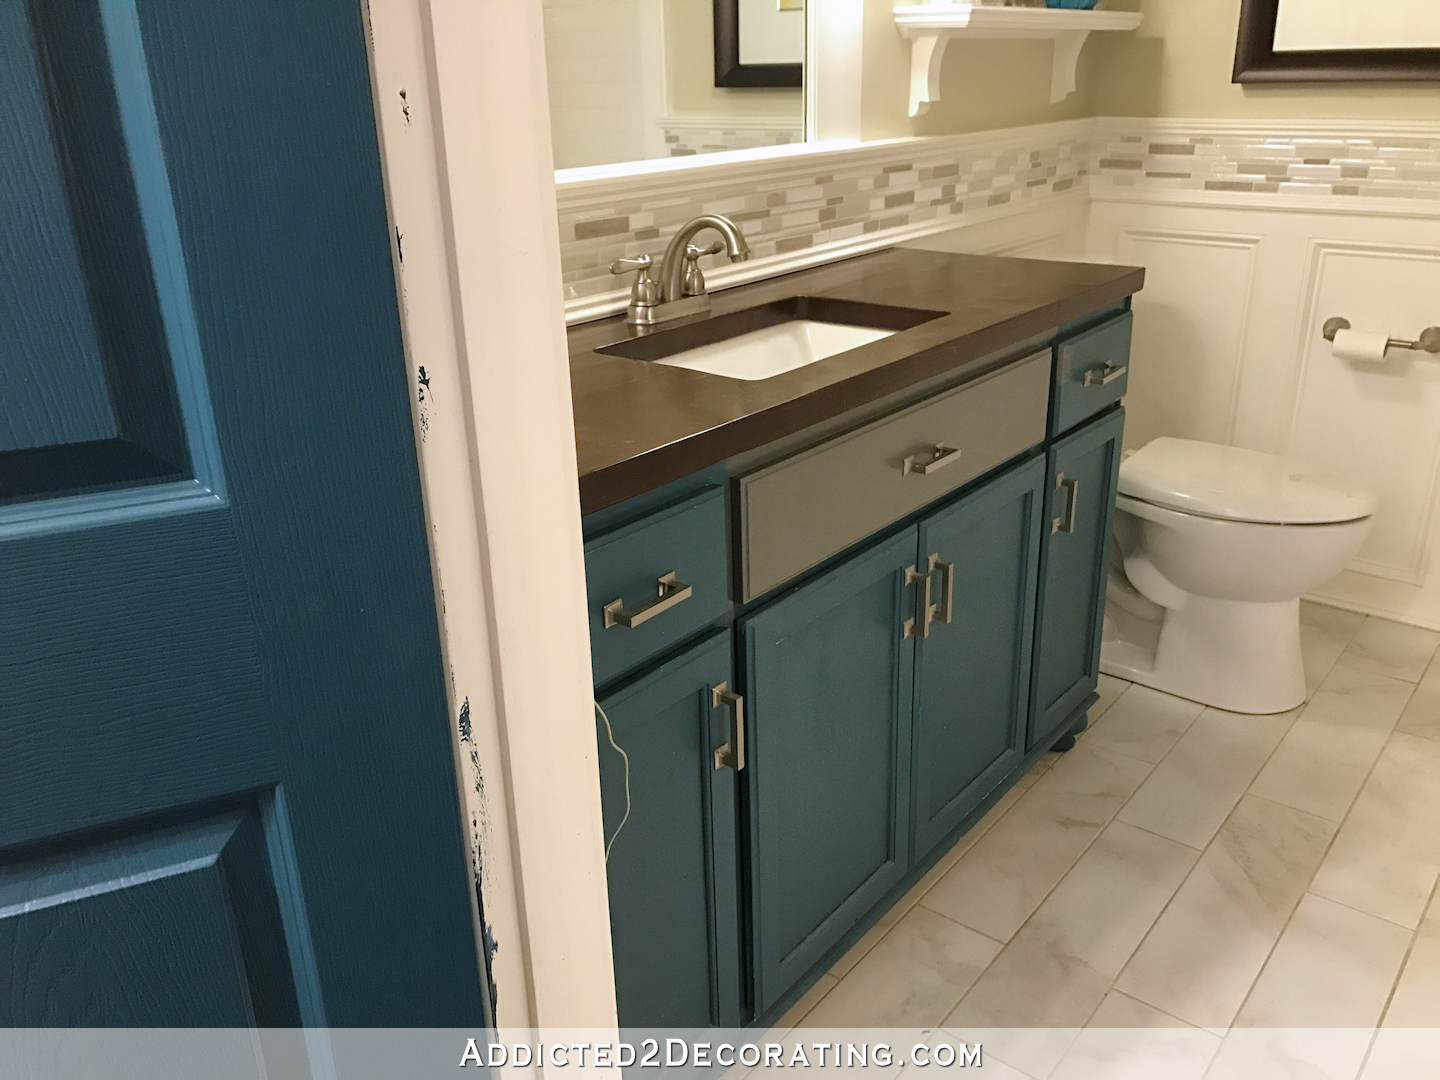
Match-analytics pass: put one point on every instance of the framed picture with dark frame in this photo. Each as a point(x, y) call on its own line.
point(1288, 41)
point(729, 71)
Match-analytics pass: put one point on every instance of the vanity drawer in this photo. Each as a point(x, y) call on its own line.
point(661, 579)
point(801, 510)
point(1101, 356)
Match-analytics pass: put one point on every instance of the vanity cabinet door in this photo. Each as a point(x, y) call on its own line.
point(972, 669)
point(672, 870)
point(1080, 504)
point(830, 687)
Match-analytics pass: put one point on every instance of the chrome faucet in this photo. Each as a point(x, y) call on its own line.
point(680, 290)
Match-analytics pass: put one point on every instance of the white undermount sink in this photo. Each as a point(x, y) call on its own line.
point(774, 350)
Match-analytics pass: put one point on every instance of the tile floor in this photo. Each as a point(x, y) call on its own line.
point(1196, 872)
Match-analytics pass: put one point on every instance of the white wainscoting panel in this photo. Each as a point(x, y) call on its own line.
point(1228, 349)
point(1379, 423)
point(1190, 342)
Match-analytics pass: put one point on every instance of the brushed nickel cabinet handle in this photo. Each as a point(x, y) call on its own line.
point(1071, 485)
point(671, 592)
point(1106, 375)
point(945, 611)
point(732, 754)
point(925, 611)
point(944, 455)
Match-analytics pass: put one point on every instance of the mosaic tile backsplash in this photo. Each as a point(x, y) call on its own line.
point(684, 137)
point(787, 205)
point(801, 207)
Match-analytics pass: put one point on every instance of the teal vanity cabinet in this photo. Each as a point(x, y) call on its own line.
point(1091, 370)
point(671, 862)
point(972, 667)
point(825, 657)
point(830, 688)
point(669, 759)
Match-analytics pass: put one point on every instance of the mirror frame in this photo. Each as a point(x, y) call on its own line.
point(729, 71)
point(1256, 60)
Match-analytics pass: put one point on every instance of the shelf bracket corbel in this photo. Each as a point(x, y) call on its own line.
point(927, 53)
point(1068, 44)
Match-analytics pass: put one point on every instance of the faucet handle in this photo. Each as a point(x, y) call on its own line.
point(646, 291)
point(694, 280)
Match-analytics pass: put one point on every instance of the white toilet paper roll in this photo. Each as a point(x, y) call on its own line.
point(1362, 346)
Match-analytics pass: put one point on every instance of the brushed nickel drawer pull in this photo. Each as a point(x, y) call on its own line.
point(924, 610)
point(1106, 375)
point(732, 754)
point(944, 455)
point(1071, 485)
point(946, 609)
point(671, 592)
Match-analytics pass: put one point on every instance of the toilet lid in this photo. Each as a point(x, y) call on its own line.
point(1240, 485)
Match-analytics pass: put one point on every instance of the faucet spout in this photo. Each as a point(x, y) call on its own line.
point(672, 266)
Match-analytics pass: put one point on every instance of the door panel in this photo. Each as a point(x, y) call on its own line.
point(1073, 571)
point(674, 903)
point(972, 674)
point(219, 658)
point(830, 685)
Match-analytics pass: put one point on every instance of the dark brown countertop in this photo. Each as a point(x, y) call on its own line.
point(639, 425)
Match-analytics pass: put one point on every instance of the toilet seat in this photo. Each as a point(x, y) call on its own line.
point(1234, 484)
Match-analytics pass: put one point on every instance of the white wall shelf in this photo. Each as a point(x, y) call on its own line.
point(930, 27)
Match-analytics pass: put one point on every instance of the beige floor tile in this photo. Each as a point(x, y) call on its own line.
point(924, 885)
point(1416, 1000)
point(1204, 952)
point(1191, 793)
point(1324, 634)
point(1386, 857)
point(1332, 967)
point(1109, 689)
point(1033, 1051)
point(1422, 716)
point(1328, 751)
point(1010, 870)
point(1391, 648)
point(911, 978)
point(1119, 1049)
point(1290, 1054)
point(795, 1015)
point(1404, 1054)
point(1123, 1011)
point(1058, 967)
point(1143, 723)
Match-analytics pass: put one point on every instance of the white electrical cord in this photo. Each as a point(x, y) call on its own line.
point(610, 734)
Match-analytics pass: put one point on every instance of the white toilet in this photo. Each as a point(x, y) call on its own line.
point(1214, 546)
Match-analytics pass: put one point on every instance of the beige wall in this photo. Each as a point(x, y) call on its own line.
point(690, 71)
point(984, 85)
point(1177, 64)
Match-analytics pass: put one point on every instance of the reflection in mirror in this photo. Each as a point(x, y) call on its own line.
point(637, 79)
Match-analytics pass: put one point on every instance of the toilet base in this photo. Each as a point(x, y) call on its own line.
point(1232, 655)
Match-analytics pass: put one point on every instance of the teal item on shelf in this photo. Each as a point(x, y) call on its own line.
point(1083, 5)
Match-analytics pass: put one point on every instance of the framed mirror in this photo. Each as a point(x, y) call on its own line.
point(640, 80)
point(1338, 41)
point(759, 42)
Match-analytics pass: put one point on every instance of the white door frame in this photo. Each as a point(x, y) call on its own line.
point(464, 123)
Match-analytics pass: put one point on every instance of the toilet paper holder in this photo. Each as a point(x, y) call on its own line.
point(1429, 337)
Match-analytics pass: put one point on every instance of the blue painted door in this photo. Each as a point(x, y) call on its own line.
point(972, 667)
point(830, 685)
point(671, 832)
point(226, 787)
point(1080, 503)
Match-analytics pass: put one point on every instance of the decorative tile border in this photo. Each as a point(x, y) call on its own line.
point(805, 205)
point(1353, 159)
